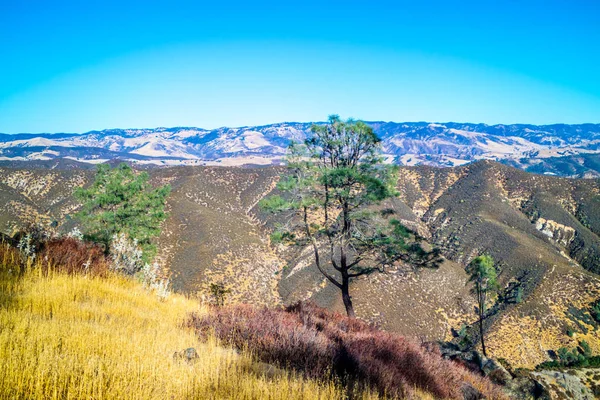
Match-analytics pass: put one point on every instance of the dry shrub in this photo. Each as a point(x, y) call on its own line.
point(319, 342)
point(72, 256)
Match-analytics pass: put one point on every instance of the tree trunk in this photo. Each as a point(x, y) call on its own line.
point(481, 298)
point(347, 301)
point(481, 334)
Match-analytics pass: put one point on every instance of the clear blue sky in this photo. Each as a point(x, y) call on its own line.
point(83, 65)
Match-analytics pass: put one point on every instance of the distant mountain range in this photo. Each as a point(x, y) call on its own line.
point(566, 150)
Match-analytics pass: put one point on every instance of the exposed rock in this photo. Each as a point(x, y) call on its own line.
point(559, 233)
point(495, 371)
point(470, 393)
point(565, 385)
point(189, 355)
point(527, 388)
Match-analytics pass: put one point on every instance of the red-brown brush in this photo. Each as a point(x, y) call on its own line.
point(319, 343)
point(73, 256)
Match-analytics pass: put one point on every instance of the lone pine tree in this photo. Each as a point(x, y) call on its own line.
point(336, 177)
point(482, 275)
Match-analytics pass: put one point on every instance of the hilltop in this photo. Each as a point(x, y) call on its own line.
point(565, 150)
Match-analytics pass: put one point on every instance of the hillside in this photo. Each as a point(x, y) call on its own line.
point(566, 150)
point(73, 336)
point(74, 331)
point(543, 231)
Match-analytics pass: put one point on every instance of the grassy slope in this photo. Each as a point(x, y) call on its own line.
point(67, 337)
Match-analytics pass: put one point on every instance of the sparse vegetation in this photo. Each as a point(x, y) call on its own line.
point(579, 357)
point(218, 292)
point(214, 235)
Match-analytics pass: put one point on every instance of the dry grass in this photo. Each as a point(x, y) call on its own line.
point(75, 336)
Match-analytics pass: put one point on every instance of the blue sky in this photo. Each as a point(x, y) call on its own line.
point(83, 65)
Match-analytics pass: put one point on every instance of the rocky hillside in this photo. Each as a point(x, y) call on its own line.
point(566, 150)
point(543, 230)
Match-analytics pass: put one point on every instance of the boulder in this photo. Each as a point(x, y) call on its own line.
point(189, 355)
point(495, 371)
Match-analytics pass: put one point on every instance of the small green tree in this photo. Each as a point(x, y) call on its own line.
point(122, 201)
point(586, 350)
point(482, 274)
point(335, 177)
point(218, 292)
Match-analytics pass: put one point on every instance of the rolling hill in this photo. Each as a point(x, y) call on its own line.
point(565, 150)
point(543, 231)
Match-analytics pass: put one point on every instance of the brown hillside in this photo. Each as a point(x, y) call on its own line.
point(543, 230)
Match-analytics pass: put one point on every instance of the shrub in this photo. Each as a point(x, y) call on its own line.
point(30, 241)
point(151, 279)
point(595, 311)
point(319, 343)
point(218, 292)
point(126, 255)
point(73, 256)
point(585, 349)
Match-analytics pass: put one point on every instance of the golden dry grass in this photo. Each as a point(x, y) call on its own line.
point(77, 337)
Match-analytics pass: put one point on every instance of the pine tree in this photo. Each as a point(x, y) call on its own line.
point(482, 274)
point(121, 200)
point(335, 176)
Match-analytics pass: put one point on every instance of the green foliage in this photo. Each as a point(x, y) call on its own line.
point(595, 311)
point(219, 292)
point(280, 236)
point(519, 294)
point(580, 357)
point(122, 201)
point(579, 361)
point(483, 276)
point(335, 176)
point(275, 204)
point(464, 339)
point(585, 349)
point(570, 357)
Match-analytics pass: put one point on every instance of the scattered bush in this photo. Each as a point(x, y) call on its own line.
point(218, 292)
point(30, 241)
point(586, 350)
point(580, 357)
point(127, 258)
point(35, 249)
point(278, 237)
point(569, 356)
point(319, 343)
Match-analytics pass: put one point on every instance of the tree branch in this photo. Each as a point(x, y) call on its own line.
point(316, 251)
